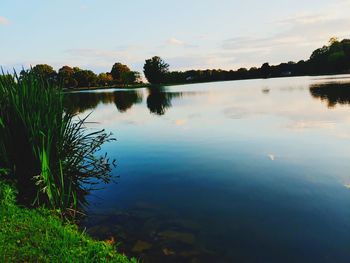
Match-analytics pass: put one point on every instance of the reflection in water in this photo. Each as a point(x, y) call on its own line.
point(265, 185)
point(125, 100)
point(332, 93)
point(158, 100)
point(80, 102)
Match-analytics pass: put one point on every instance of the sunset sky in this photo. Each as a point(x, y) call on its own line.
point(196, 34)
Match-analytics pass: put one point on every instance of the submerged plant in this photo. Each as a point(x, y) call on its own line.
point(48, 151)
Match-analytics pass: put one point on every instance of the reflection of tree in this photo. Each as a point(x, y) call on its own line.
point(80, 102)
point(158, 101)
point(125, 99)
point(332, 93)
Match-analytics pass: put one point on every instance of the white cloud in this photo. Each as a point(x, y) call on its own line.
point(176, 42)
point(295, 38)
point(4, 21)
point(103, 59)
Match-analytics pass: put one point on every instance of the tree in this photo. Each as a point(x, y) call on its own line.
point(333, 40)
point(46, 71)
point(130, 77)
point(104, 79)
point(65, 76)
point(117, 70)
point(155, 70)
point(266, 70)
point(85, 78)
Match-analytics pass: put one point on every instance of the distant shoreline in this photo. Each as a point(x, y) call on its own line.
point(148, 85)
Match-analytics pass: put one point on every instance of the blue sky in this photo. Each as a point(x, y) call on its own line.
point(187, 34)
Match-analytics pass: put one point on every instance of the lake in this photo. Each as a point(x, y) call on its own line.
point(238, 171)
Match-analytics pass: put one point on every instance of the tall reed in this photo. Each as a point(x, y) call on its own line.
point(49, 152)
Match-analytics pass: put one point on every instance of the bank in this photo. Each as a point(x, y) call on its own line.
point(37, 235)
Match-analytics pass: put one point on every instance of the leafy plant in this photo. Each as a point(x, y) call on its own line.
point(50, 153)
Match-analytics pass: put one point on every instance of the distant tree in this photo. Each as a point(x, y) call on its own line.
point(65, 72)
point(130, 77)
point(76, 69)
point(117, 70)
point(104, 79)
point(85, 78)
point(155, 70)
point(65, 76)
point(266, 70)
point(44, 70)
point(333, 40)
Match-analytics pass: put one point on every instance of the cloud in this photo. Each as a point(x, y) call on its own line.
point(302, 18)
point(176, 42)
point(103, 59)
point(95, 53)
point(4, 21)
point(295, 38)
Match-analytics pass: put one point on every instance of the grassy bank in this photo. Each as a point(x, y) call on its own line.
point(38, 236)
point(52, 160)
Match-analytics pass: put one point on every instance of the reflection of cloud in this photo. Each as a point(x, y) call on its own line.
point(343, 135)
point(302, 125)
point(239, 112)
point(4, 21)
point(180, 122)
point(271, 157)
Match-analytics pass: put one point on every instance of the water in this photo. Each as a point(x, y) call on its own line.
point(245, 171)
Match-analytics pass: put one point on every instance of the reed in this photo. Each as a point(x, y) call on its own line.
point(49, 153)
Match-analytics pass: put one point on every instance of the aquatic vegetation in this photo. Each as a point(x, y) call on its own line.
point(47, 151)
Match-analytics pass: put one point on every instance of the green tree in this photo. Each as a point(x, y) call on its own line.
point(44, 70)
point(117, 70)
point(65, 76)
point(155, 70)
point(130, 77)
point(104, 79)
point(266, 70)
point(85, 78)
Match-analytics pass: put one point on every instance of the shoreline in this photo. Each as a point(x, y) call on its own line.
point(148, 85)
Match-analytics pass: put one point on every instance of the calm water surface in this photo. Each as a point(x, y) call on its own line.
point(245, 171)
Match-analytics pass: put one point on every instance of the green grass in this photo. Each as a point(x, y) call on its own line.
point(38, 236)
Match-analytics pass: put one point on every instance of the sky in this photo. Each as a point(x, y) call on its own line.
point(191, 34)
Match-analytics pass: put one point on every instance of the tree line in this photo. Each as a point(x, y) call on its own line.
point(330, 59)
point(75, 77)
